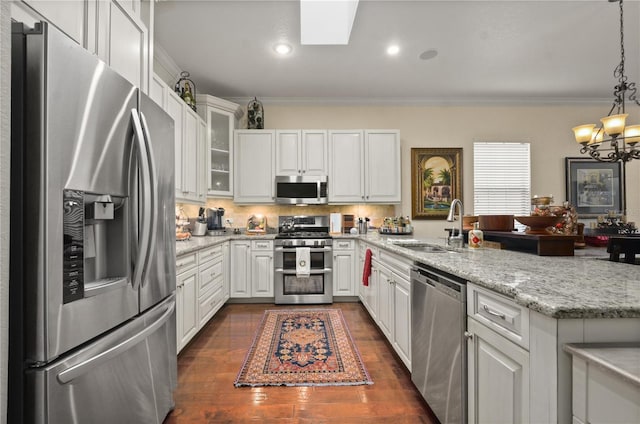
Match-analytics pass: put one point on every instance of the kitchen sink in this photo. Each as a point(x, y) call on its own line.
point(418, 246)
point(426, 249)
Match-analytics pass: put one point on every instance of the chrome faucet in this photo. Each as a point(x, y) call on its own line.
point(456, 240)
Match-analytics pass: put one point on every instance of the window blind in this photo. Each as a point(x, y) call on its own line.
point(501, 178)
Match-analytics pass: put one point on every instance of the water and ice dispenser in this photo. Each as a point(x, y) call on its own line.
point(96, 248)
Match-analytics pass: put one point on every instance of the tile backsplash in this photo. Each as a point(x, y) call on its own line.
point(239, 214)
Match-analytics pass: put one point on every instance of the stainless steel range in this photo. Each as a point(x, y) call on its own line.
point(303, 260)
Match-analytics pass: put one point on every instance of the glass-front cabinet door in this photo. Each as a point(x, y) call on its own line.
point(222, 118)
point(220, 152)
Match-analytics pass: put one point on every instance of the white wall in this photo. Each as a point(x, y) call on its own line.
point(546, 127)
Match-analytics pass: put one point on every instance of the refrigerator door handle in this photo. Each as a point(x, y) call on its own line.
point(145, 203)
point(84, 367)
point(153, 191)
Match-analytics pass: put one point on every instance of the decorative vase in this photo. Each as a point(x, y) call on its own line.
point(255, 115)
point(186, 89)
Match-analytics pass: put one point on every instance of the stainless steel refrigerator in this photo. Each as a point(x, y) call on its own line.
point(92, 277)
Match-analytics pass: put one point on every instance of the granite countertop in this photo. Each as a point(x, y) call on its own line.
point(620, 359)
point(557, 286)
point(196, 243)
point(581, 286)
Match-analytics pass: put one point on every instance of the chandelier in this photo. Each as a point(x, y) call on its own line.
point(622, 139)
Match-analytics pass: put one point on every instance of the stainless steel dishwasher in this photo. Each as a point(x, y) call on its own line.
point(438, 344)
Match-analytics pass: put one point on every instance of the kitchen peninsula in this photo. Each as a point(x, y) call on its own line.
point(559, 300)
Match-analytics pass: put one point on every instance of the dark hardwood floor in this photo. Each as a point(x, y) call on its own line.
point(208, 367)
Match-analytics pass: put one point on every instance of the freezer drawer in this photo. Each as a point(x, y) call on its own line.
point(126, 376)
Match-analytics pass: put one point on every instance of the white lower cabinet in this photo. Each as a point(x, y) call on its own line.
point(498, 378)
point(200, 286)
point(600, 396)
point(186, 306)
point(402, 319)
point(498, 358)
point(385, 301)
point(226, 282)
point(262, 268)
point(387, 298)
point(240, 268)
point(251, 268)
point(210, 282)
point(344, 268)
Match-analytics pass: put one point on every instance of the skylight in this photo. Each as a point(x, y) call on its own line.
point(324, 22)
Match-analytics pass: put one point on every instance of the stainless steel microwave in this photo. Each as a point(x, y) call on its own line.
point(301, 190)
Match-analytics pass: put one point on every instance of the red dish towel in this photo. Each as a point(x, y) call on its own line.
point(366, 272)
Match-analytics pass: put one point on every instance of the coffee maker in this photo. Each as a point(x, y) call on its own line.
point(214, 219)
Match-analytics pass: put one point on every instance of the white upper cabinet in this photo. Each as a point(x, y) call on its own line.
point(301, 152)
point(111, 29)
point(382, 166)
point(364, 166)
point(346, 149)
point(122, 41)
point(221, 117)
point(67, 16)
point(175, 107)
point(190, 141)
point(254, 162)
point(157, 91)
point(190, 159)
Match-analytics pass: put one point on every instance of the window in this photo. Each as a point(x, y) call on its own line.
point(501, 178)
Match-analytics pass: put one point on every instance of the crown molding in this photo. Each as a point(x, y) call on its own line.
point(163, 59)
point(419, 101)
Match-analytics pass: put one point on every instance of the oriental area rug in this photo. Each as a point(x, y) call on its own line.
point(302, 347)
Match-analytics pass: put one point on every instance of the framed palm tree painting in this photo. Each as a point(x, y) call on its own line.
point(436, 179)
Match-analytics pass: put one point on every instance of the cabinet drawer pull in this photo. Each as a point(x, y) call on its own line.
point(495, 314)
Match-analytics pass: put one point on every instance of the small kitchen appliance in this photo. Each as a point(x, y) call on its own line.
point(214, 218)
point(303, 242)
point(439, 341)
point(200, 226)
point(301, 189)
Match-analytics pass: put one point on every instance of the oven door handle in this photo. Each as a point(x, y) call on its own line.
point(293, 271)
point(312, 249)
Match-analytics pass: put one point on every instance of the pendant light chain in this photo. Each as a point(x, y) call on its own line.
point(623, 138)
point(619, 71)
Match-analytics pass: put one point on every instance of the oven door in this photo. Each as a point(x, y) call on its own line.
point(316, 288)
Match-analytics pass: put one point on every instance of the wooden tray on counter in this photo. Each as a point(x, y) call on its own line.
point(540, 244)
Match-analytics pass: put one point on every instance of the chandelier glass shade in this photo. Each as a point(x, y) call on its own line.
point(614, 141)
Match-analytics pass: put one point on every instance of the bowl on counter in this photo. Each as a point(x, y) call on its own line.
point(538, 224)
point(495, 222)
point(468, 220)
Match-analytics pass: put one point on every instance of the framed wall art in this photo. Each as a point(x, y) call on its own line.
point(436, 179)
point(595, 188)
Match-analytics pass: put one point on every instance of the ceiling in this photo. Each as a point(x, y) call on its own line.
point(488, 51)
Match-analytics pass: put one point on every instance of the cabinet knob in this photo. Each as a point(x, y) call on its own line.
point(299, 171)
point(468, 335)
point(303, 171)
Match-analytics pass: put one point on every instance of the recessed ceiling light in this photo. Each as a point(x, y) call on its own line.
point(428, 54)
point(393, 50)
point(282, 48)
